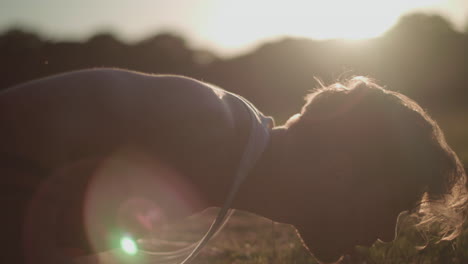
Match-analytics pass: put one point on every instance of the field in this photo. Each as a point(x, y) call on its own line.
point(246, 238)
point(251, 239)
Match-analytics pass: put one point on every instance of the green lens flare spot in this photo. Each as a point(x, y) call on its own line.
point(128, 245)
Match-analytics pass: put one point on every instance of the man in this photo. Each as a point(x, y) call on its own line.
point(341, 171)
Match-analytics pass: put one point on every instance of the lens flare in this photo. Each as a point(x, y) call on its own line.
point(128, 245)
point(133, 195)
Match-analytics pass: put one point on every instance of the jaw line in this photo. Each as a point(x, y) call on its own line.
point(335, 262)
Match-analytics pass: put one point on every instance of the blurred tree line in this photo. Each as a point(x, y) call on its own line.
point(422, 56)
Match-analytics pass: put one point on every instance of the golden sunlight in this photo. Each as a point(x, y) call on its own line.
point(238, 23)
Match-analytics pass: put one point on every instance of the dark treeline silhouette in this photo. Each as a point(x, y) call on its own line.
point(422, 57)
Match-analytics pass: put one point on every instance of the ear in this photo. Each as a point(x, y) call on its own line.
point(293, 119)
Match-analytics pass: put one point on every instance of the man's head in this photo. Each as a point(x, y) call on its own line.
point(356, 156)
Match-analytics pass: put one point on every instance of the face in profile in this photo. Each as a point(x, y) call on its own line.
point(346, 203)
point(343, 213)
point(357, 158)
point(339, 231)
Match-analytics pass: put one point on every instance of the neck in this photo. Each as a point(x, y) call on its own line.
point(261, 192)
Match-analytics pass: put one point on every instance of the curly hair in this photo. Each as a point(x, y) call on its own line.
point(388, 135)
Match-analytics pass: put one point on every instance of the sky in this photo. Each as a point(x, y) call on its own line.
point(227, 27)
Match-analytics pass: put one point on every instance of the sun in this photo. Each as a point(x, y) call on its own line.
point(238, 23)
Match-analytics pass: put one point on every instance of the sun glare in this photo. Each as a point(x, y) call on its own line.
point(128, 245)
point(238, 23)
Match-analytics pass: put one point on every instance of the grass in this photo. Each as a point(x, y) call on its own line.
point(251, 239)
point(246, 238)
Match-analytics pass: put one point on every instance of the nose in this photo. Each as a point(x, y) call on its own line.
point(385, 239)
point(387, 236)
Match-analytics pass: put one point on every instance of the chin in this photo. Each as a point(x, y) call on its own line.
point(326, 246)
point(331, 253)
point(328, 259)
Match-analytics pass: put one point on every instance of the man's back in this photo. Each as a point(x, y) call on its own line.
point(88, 113)
point(66, 126)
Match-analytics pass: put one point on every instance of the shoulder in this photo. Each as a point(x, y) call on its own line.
point(168, 96)
point(112, 77)
point(113, 82)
